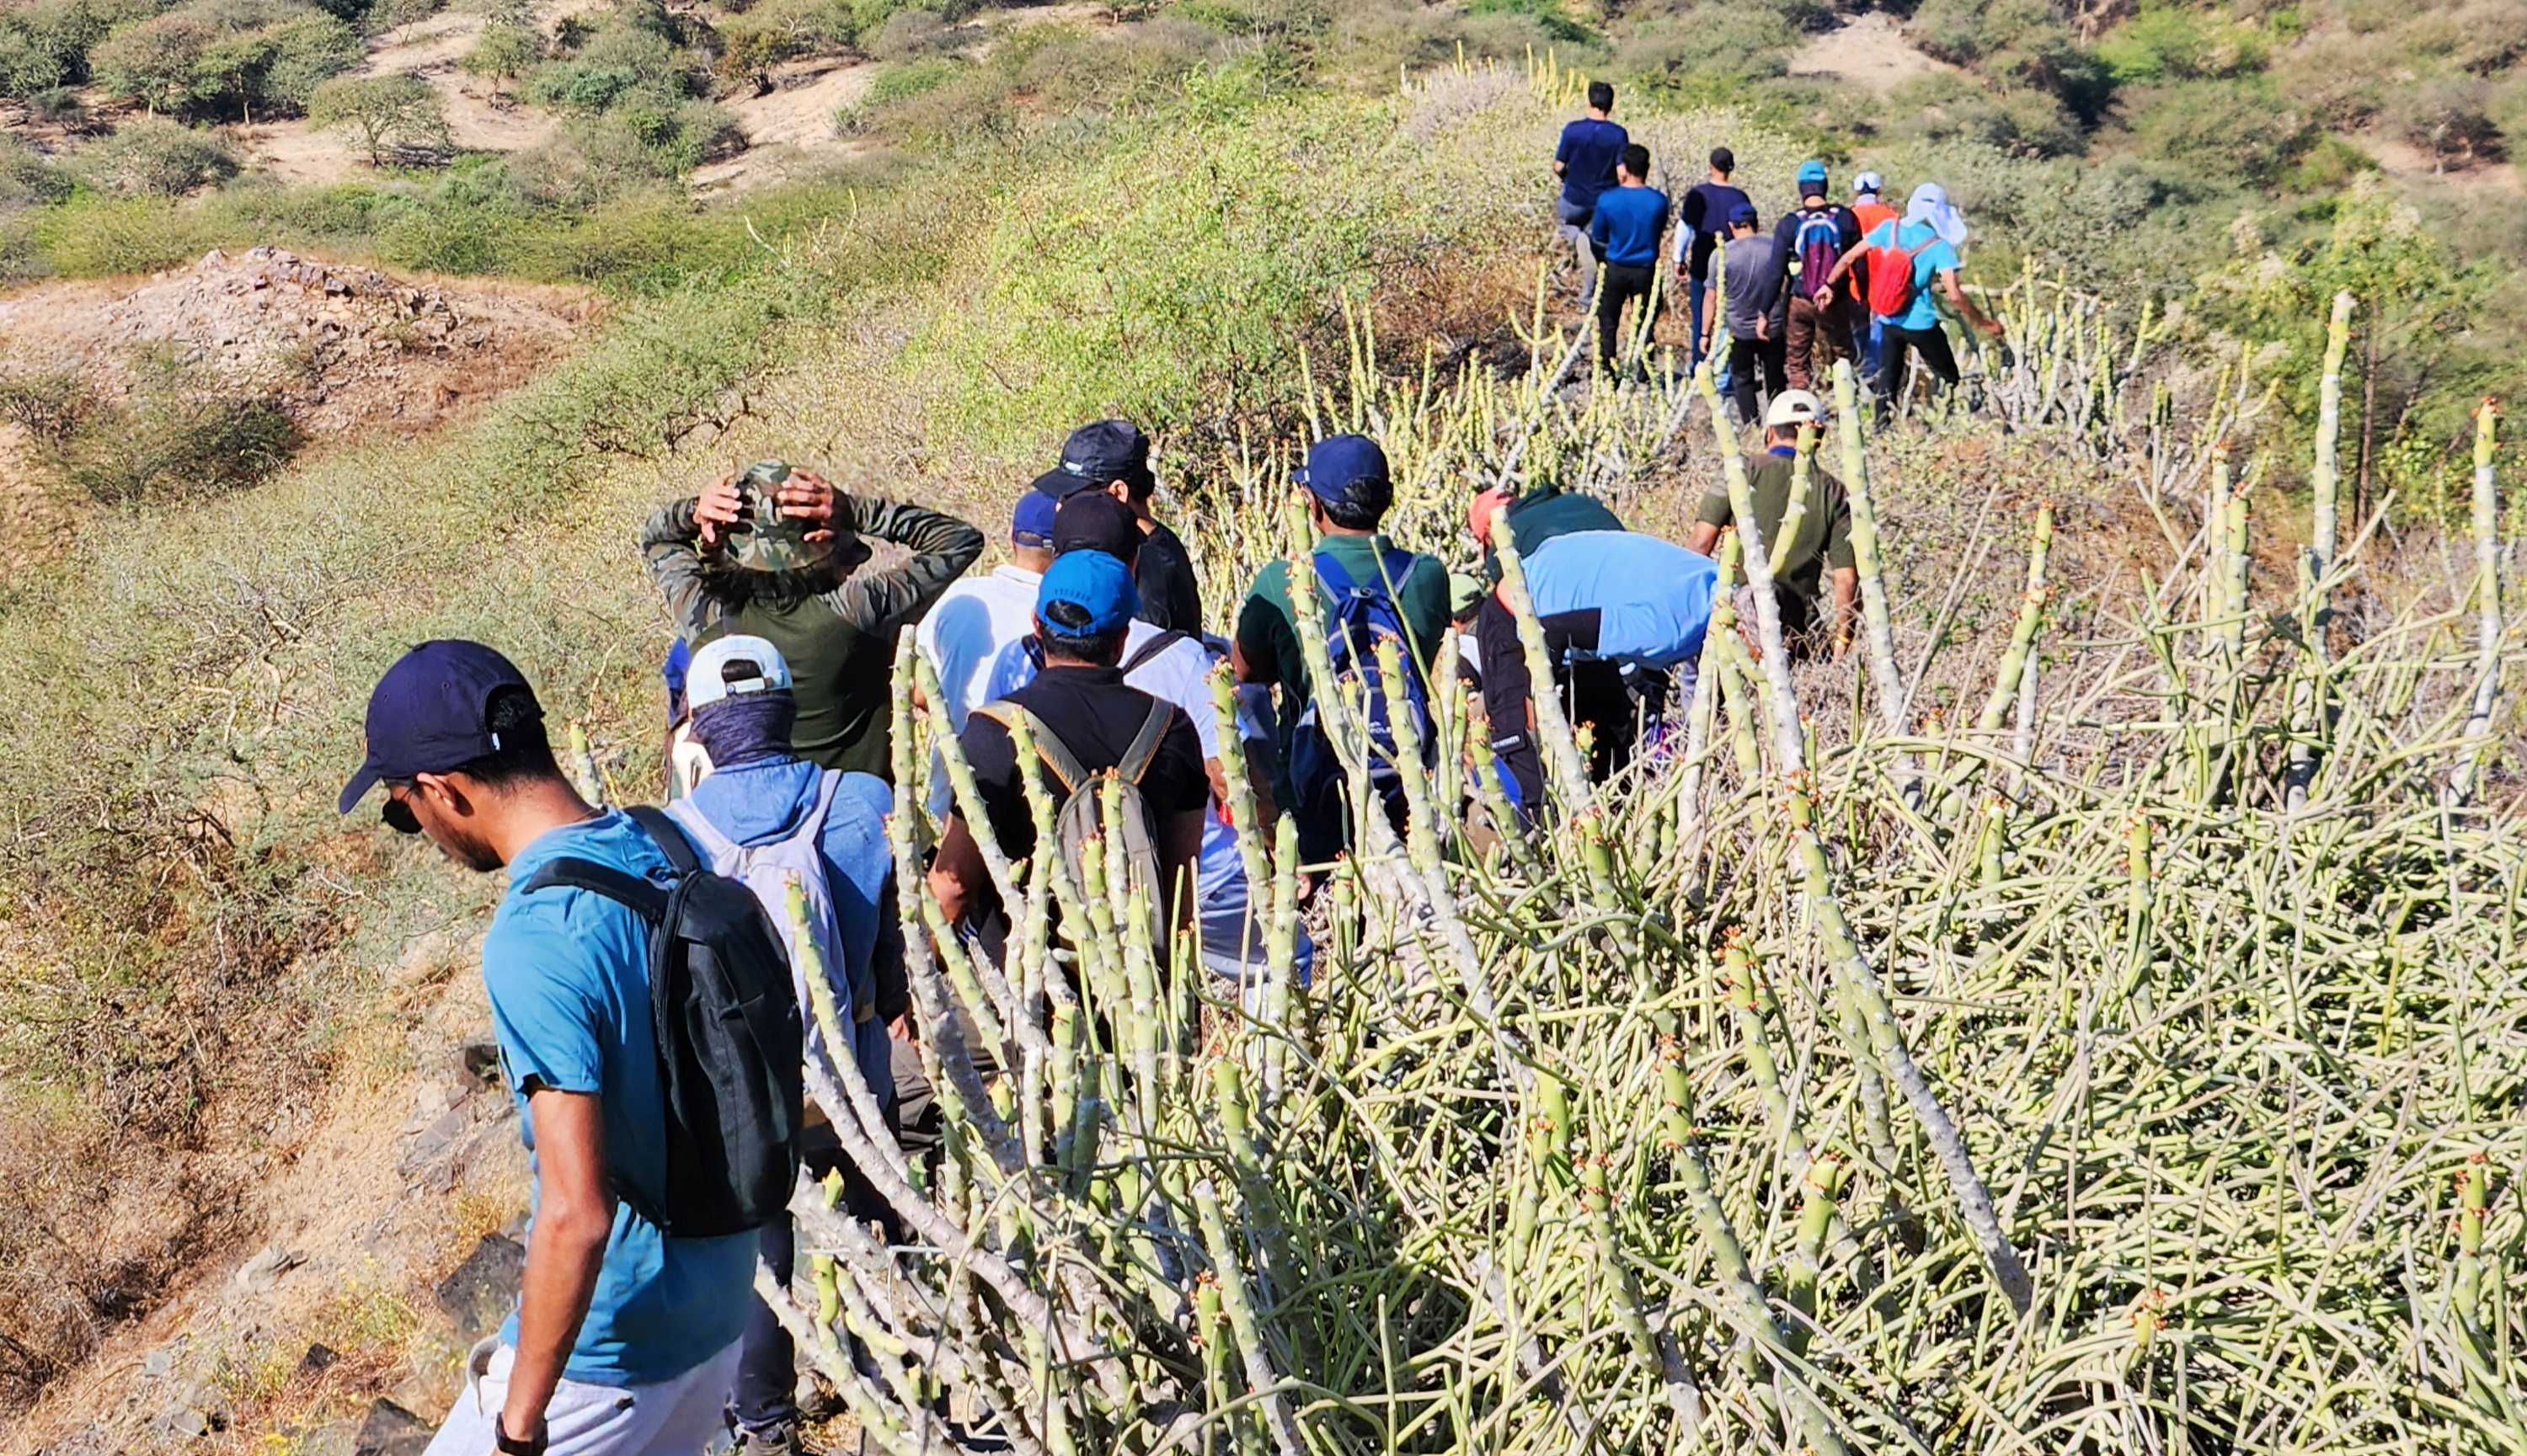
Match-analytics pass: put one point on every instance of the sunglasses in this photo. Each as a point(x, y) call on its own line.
point(396, 812)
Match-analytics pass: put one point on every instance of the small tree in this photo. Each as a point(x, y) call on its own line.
point(401, 115)
point(504, 52)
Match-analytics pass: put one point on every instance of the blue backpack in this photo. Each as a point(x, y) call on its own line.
point(1816, 249)
point(1357, 616)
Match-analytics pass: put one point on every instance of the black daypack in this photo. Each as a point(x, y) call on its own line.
point(731, 1053)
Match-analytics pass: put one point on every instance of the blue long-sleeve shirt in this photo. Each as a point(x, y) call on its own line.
point(1629, 225)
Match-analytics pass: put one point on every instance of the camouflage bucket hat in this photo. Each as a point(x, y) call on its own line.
point(763, 539)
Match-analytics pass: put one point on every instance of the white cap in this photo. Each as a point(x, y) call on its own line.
point(1868, 183)
point(732, 665)
point(1790, 407)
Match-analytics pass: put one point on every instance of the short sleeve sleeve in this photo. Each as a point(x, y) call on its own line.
point(543, 1014)
point(1714, 510)
point(1261, 626)
point(1189, 688)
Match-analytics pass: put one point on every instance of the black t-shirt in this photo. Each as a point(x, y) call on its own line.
point(1706, 209)
point(1097, 715)
point(1171, 598)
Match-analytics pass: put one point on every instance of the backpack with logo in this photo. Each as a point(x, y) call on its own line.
point(1891, 273)
point(1815, 248)
point(1130, 844)
point(1357, 616)
point(768, 870)
point(730, 1058)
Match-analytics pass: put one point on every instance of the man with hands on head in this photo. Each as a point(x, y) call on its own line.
point(780, 554)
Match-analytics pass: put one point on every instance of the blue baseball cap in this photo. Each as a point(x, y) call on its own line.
point(1335, 461)
point(1087, 594)
point(1742, 215)
point(1811, 174)
point(429, 713)
point(1031, 524)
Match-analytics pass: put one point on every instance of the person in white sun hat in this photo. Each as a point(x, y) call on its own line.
point(1903, 263)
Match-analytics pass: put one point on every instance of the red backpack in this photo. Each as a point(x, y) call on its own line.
point(1891, 273)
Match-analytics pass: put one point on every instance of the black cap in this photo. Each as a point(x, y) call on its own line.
point(1093, 520)
point(1724, 158)
point(430, 713)
point(1098, 455)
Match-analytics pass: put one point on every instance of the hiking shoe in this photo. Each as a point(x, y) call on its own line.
point(778, 1440)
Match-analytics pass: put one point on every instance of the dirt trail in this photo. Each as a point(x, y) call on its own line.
point(1869, 50)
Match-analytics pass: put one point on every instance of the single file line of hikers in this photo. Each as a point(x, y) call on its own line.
point(659, 979)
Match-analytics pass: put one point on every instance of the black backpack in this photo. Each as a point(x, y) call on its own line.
point(731, 1055)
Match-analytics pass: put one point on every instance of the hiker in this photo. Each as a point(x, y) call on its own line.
point(1112, 456)
point(1702, 218)
point(1084, 719)
point(1905, 259)
point(1176, 668)
point(1807, 242)
point(1868, 208)
point(626, 1337)
point(1619, 612)
point(1537, 517)
point(775, 553)
point(1364, 589)
point(965, 630)
point(769, 817)
point(1585, 161)
point(1758, 336)
point(1626, 228)
point(1820, 536)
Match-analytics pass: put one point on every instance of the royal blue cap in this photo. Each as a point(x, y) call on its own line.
point(1335, 461)
point(1742, 215)
point(1087, 594)
point(430, 713)
point(1811, 174)
point(1031, 523)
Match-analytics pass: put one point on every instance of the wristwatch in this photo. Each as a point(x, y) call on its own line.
point(510, 1445)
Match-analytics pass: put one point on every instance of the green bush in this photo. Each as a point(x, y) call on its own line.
point(45, 45)
point(2244, 126)
point(399, 117)
point(27, 179)
point(2018, 43)
point(2163, 43)
point(1946, 106)
point(176, 441)
point(153, 157)
point(1708, 49)
point(904, 80)
point(504, 52)
point(1550, 16)
point(209, 55)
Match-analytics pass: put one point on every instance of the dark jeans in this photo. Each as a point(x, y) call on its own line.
point(1930, 343)
point(1625, 281)
point(1613, 701)
point(767, 1368)
point(1745, 356)
point(1696, 291)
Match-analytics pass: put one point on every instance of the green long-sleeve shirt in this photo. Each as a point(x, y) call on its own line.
point(838, 635)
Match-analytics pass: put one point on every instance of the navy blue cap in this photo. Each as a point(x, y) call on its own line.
point(1742, 215)
point(429, 713)
point(1098, 455)
point(1031, 523)
point(1087, 594)
point(1093, 520)
point(1335, 461)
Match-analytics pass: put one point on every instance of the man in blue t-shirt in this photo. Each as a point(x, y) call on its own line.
point(1702, 228)
point(1630, 222)
point(625, 1339)
point(1621, 611)
point(1585, 161)
point(1921, 246)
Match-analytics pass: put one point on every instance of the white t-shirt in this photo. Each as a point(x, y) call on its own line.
point(967, 629)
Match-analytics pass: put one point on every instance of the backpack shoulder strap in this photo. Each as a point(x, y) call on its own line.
point(1137, 758)
point(634, 893)
point(1151, 649)
point(671, 840)
point(1398, 564)
point(1057, 755)
point(1331, 573)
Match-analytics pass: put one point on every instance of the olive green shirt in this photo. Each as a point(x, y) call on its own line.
point(1267, 636)
point(1823, 536)
point(837, 635)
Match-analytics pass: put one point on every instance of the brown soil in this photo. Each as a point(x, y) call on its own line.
point(2403, 160)
point(1868, 50)
point(790, 125)
point(347, 351)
